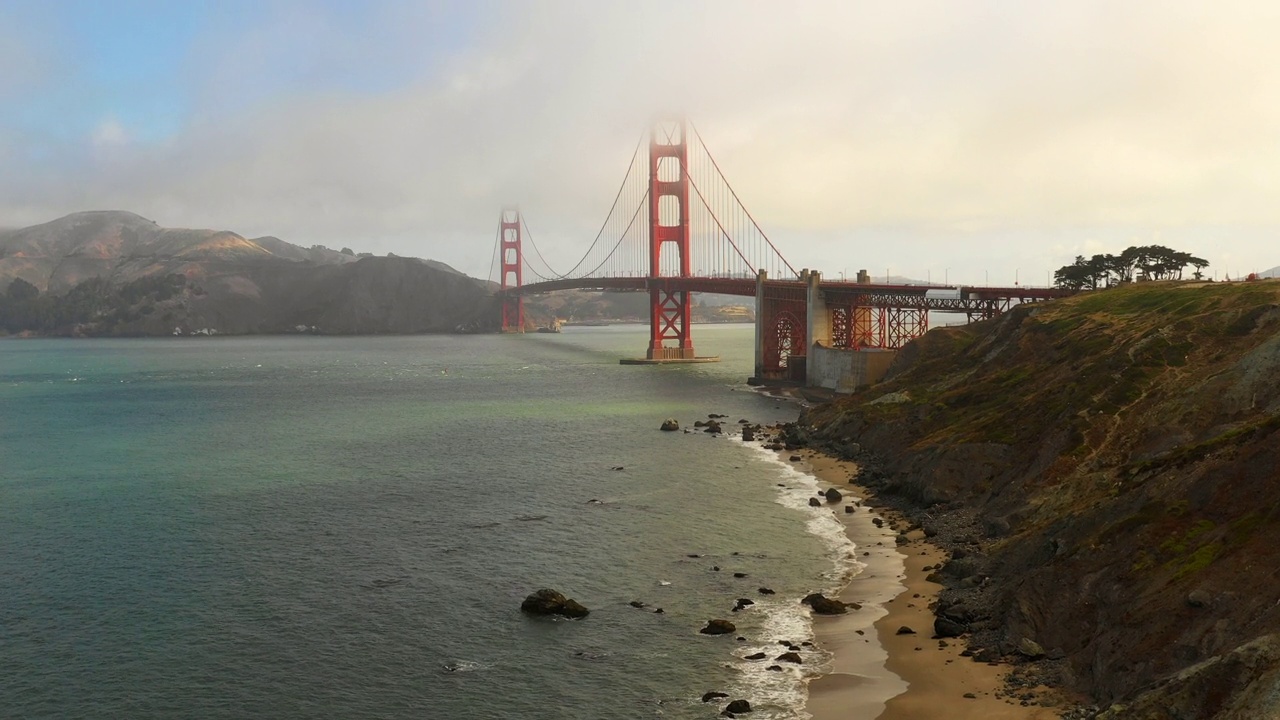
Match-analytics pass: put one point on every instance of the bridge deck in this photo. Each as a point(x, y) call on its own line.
point(955, 298)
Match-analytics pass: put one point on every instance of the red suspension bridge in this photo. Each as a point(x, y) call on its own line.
point(676, 226)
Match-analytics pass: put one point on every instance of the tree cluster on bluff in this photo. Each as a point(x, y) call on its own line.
point(96, 300)
point(1151, 262)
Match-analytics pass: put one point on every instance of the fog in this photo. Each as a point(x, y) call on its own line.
point(980, 141)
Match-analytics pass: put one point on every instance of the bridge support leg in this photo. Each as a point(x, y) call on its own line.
point(511, 265)
point(670, 338)
point(669, 321)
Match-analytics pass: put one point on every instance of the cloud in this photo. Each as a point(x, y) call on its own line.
point(109, 134)
point(1025, 132)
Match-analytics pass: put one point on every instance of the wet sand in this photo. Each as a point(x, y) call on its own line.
point(876, 672)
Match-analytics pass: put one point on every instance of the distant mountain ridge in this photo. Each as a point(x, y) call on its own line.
point(232, 284)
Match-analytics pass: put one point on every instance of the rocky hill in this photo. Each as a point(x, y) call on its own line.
point(103, 273)
point(1106, 472)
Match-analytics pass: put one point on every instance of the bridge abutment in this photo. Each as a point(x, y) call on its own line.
point(817, 319)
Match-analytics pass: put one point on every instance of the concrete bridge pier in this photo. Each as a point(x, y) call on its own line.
point(761, 277)
point(817, 320)
point(781, 329)
point(796, 339)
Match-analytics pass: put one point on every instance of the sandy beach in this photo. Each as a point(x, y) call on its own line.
point(876, 672)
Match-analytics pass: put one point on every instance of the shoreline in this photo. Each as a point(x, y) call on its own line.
point(875, 672)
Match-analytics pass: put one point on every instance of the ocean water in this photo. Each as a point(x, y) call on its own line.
point(315, 527)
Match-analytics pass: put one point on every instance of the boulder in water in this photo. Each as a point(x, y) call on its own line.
point(824, 605)
point(552, 602)
point(737, 707)
point(718, 627)
point(670, 425)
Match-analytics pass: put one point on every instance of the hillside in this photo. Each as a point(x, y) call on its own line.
point(630, 307)
point(115, 273)
point(1106, 471)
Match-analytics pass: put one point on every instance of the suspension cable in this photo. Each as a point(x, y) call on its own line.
point(493, 260)
point(616, 245)
point(622, 187)
point(528, 234)
point(739, 201)
point(732, 244)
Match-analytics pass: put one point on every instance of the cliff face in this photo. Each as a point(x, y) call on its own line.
point(232, 284)
point(1112, 463)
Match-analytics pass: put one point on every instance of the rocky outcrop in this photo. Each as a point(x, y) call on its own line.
point(823, 605)
point(552, 602)
point(718, 627)
point(1243, 684)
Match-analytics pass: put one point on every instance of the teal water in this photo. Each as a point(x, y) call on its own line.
point(345, 527)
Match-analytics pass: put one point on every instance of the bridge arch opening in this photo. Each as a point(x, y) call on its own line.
point(668, 211)
point(786, 340)
point(669, 170)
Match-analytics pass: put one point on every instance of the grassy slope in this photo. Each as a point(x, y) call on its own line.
point(1121, 450)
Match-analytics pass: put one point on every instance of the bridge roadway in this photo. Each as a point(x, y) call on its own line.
point(808, 330)
point(970, 300)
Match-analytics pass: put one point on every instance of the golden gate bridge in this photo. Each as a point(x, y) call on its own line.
point(676, 227)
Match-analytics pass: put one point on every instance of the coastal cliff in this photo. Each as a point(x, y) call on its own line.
point(1105, 472)
point(116, 273)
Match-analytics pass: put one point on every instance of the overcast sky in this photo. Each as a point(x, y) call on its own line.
point(977, 141)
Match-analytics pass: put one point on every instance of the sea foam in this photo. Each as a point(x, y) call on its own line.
point(783, 695)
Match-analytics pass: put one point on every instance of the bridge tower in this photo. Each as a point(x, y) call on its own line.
point(669, 310)
point(511, 262)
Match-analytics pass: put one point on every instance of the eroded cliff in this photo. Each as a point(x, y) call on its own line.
point(1108, 466)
